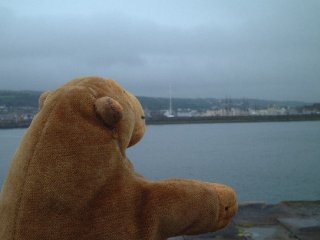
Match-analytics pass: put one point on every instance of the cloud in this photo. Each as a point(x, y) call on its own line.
point(253, 49)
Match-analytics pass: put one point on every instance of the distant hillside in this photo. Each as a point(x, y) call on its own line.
point(19, 98)
point(153, 103)
point(30, 98)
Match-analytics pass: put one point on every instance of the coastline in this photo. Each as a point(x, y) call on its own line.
point(233, 119)
point(8, 125)
point(285, 220)
point(198, 120)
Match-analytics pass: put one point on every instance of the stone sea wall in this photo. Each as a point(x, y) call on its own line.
point(260, 221)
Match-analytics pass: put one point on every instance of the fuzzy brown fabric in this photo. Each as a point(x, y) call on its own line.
point(70, 177)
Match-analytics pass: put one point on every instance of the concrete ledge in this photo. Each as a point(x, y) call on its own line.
point(261, 221)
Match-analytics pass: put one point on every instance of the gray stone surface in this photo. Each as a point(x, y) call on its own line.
point(267, 233)
point(260, 221)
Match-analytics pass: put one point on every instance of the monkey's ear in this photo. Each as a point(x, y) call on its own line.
point(43, 98)
point(109, 110)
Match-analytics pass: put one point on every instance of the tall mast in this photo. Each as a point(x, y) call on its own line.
point(170, 103)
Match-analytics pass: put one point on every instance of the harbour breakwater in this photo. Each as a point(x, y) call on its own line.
point(14, 124)
point(258, 221)
point(234, 119)
point(190, 120)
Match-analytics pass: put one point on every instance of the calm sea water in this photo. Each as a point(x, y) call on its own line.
point(268, 162)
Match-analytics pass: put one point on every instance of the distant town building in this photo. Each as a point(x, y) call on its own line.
point(187, 113)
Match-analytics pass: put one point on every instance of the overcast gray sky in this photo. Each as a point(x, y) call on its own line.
point(266, 49)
